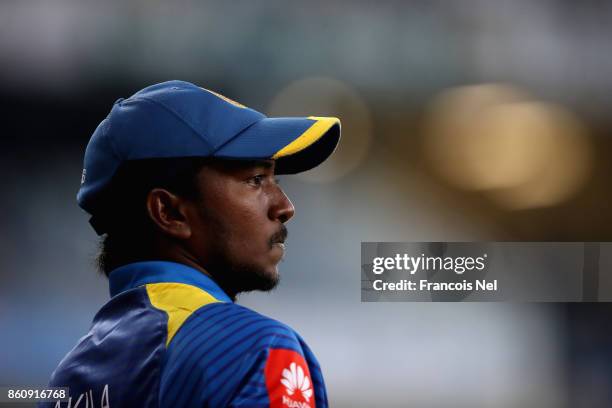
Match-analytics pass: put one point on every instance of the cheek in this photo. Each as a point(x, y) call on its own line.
point(236, 222)
point(245, 227)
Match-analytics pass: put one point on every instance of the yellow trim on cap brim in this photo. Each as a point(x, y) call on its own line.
point(311, 135)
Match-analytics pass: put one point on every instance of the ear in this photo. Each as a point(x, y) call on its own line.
point(168, 212)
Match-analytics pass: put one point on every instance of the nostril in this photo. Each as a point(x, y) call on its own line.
point(283, 209)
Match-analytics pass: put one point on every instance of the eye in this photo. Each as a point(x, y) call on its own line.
point(257, 180)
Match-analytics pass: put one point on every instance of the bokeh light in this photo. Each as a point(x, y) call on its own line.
point(520, 152)
point(329, 97)
point(453, 167)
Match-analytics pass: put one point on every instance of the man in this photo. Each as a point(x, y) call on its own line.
point(181, 182)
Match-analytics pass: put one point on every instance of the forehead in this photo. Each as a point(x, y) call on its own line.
point(229, 167)
point(232, 164)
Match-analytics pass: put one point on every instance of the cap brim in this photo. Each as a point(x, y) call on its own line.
point(296, 144)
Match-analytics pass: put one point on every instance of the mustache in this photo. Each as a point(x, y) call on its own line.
point(280, 236)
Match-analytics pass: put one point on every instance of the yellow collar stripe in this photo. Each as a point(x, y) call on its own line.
point(311, 135)
point(179, 301)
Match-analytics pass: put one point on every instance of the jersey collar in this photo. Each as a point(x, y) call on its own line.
point(136, 274)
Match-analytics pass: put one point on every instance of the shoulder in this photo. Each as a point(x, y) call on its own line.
point(217, 349)
point(229, 323)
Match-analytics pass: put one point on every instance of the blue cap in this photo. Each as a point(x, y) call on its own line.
point(179, 119)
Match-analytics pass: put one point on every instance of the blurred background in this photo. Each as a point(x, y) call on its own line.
point(477, 120)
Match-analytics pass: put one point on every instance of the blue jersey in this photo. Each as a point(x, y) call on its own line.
point(170, 337)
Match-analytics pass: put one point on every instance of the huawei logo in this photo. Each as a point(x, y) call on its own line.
point(294, 380)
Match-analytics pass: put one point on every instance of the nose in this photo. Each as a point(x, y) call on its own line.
point(282, 208)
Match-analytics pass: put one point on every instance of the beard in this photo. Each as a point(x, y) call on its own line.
point(232, 274)
point(235, 278)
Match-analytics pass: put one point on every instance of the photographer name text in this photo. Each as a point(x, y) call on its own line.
point(413, 264)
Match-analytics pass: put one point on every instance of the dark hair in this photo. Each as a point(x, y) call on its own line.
point(121, 211)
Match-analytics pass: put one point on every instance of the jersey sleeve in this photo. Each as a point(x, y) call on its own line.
point(277, 373)
point(230, 356)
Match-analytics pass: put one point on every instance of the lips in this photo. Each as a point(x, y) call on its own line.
point(279, 237)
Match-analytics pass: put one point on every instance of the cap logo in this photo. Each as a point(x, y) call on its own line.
point(225, 98)
point(83, 176)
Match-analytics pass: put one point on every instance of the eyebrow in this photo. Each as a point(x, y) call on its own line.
point(246, 164)
point(263, 163)
point(266, 164)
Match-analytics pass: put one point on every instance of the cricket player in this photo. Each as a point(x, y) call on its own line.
point(180, 182)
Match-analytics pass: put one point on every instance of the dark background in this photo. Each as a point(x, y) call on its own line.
point(462, 121)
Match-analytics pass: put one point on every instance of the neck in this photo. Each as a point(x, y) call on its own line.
point(173, 252)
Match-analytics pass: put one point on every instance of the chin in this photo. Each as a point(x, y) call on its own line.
point(270, 277)
point(236, 278)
